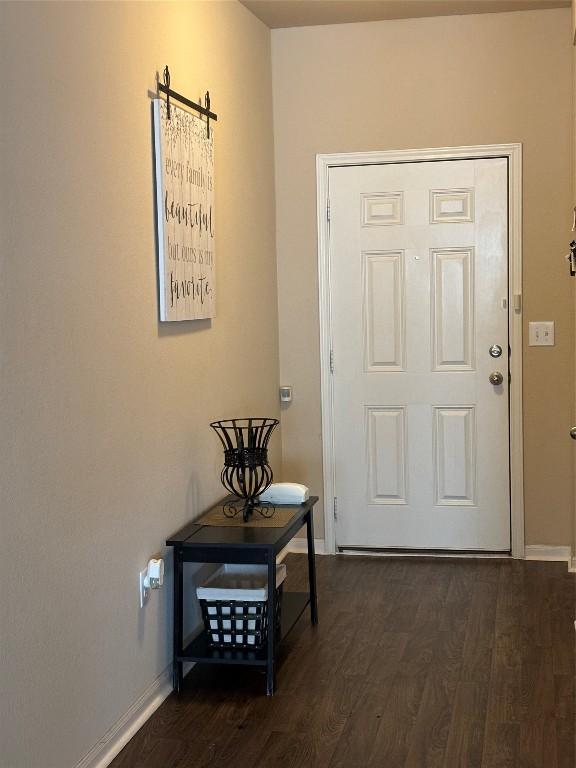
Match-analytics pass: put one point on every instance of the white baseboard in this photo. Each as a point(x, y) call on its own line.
point(404, 553)
point(550, 554)
point(116, 738)
point(546, 552)
point(300, 546)
point(531, 552)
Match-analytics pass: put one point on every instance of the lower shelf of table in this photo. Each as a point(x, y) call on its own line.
point(293, 606)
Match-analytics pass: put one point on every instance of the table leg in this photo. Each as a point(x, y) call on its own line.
point(312, 568)
point(271, 642)
point(177, 666)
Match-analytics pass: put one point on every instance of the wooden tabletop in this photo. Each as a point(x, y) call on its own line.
point(194, 535)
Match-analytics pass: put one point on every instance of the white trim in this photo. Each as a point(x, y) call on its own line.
point(513, 153)
point(548, 553)
point(515, 328)
point(431, 553)
point(300, 546)
point(116, 738)
point(555, 554)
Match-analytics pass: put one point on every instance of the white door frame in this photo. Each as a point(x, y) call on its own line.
point(513, 153)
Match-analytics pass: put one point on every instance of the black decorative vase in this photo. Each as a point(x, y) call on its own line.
point(246, 471)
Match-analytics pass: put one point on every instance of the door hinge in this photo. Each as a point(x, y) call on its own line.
point(331, 361)
point(328, 209)
point(335, 507)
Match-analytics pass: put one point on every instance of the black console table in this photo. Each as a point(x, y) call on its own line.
point(214, 544)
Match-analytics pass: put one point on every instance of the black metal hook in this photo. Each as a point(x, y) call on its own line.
point(165, 88)
point(167, 84)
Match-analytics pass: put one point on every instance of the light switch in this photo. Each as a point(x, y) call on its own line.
point(541, 334)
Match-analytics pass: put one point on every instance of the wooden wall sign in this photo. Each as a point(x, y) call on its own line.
point(185, 205)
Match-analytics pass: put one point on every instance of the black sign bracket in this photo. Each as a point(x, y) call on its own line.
point(170, 94)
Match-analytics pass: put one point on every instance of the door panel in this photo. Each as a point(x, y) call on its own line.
point(452, 297)
point(454, 459)
point(384, 292)
point(386, 429)
point(419, 281)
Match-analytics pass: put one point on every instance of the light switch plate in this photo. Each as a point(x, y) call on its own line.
point(541, 334)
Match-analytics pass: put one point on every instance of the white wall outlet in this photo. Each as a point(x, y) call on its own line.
point(155, 573)
point(144, 590)
point(541, 334)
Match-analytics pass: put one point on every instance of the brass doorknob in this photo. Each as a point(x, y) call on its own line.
point(495, 378)
point(573, 433)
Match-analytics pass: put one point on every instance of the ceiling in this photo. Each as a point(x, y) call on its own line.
point(299, 13)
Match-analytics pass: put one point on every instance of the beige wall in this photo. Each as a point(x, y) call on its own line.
point(573, 202)
point(105, 446)
point(104, 413)
point(423, 83)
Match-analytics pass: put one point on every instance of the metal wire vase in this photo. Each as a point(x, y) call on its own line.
point(246, 471)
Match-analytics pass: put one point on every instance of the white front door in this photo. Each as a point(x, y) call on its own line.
point(419, 286)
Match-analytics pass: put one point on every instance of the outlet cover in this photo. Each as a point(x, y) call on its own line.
point(144, 591)
point(541, 334)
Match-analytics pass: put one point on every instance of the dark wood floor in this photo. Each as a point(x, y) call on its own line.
point(415, 662)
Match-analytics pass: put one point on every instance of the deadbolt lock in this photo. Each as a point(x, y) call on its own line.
point(495, 350)
point(496, 378)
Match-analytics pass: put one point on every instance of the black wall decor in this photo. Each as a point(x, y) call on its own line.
point(170, 94)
